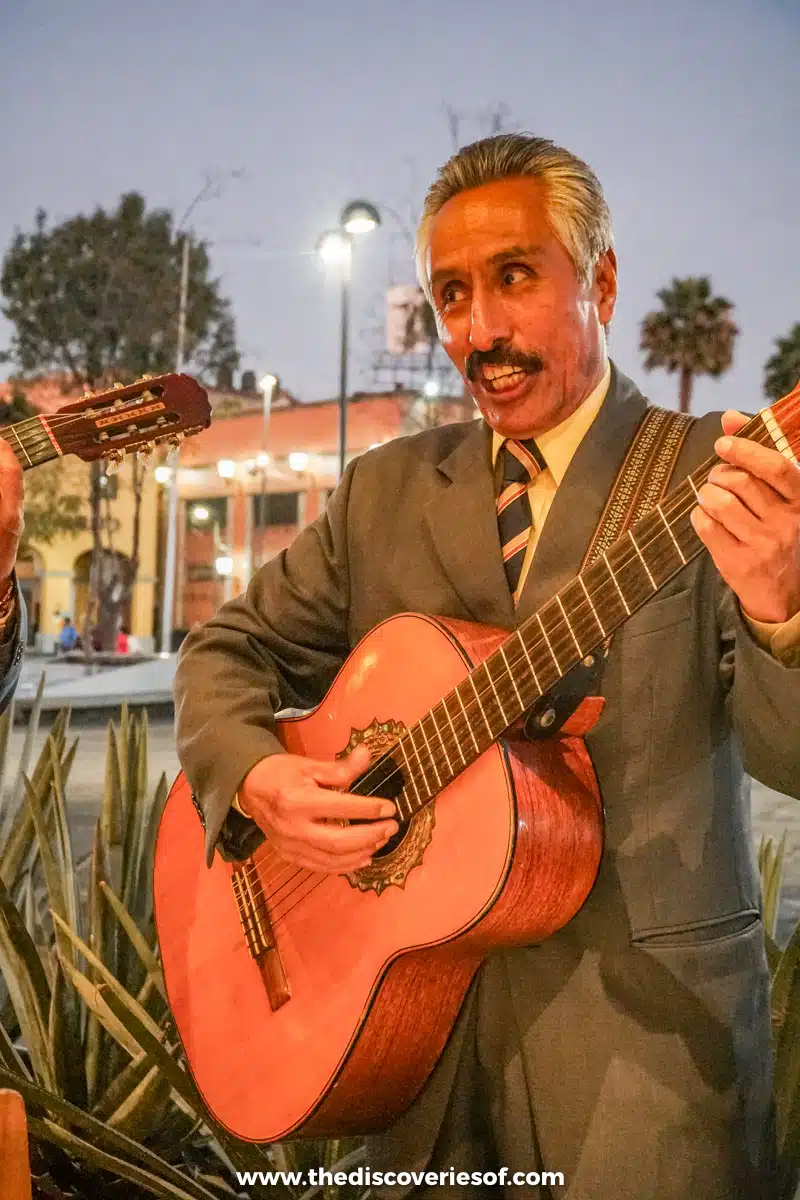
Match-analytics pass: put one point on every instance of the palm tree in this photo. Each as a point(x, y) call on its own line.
point(693, 333)
point(782, 371)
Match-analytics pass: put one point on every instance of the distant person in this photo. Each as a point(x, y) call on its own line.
point(68, 636)
point(122, 645)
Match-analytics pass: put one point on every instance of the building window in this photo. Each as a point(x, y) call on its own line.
point(276, 508)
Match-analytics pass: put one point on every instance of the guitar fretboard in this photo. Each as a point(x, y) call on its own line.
point(579, 619)
point(31, 441)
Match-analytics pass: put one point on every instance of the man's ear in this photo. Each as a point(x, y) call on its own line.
point(605, 286)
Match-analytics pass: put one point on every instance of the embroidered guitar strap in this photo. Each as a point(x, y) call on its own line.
point(642, 479)
point(641, 483)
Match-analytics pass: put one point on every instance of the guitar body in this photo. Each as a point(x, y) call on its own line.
point(377, 965)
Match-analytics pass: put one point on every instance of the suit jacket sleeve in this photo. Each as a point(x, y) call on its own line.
point(12, 645)
point(763, 698)
point(277, 646)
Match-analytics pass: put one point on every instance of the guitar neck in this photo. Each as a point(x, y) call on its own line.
point(32, 442)
point(565, 630)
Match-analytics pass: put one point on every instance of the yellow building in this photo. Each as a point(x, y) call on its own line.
point(55, 577)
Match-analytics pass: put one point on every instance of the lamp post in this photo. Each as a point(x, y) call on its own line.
point(336, 247)
point(268, 386)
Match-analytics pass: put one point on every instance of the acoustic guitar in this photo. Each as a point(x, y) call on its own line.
point(311, 1004)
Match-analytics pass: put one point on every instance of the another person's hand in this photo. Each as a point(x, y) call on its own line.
point(295, 803)
point(11, 518)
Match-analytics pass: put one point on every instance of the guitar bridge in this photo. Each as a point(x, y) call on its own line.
point(258, 932)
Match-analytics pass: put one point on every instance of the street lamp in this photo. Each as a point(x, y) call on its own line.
point(336, 248)
point(268, 386)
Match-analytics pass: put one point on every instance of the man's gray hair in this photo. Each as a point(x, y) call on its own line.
point(576, 207)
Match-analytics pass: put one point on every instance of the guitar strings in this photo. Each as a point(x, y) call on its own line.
point(284, 901)
point(676, 513)
point(40, 439)
point(674, 510)
point(762, 436)
point(519, 660)
point(283, 882)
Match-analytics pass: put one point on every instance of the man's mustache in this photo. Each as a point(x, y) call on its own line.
point(502, 356)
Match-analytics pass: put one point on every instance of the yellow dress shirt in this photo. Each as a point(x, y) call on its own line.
point(558, 446)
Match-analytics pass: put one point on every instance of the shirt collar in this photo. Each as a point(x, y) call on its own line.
point(558, 445)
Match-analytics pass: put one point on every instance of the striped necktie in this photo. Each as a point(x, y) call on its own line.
point(522, 462)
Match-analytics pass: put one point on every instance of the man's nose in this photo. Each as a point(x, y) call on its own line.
point(488, 322)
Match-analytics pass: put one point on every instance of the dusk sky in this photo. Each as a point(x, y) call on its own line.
point(688, 111)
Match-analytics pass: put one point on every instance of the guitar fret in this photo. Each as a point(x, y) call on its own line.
point(644, 564)
point(671, 534)
point(591, 606)
point(404, 816)
point(22, 448)
point(453, 730)
point(776, 433)
point(511, 677)
point(496, 696)
point(547, 639)
point(616, 584)
point(530, 664)
point(569, 627)
point(432, 715)
point(466, 718)
point(409, 770)
point(480, 706)
point(419, 760)
point(430, 752)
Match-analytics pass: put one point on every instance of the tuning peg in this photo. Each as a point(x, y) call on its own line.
point(144, 378)
point(145, 452)
point(88, 396)
point(118, 386)
point(174, 441)
point(113, 461)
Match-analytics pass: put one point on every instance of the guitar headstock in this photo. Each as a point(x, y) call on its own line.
point(111, 424)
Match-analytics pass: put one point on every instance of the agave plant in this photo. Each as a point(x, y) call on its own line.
point(85, 1034)
point(85, 1031)
point(784, 965)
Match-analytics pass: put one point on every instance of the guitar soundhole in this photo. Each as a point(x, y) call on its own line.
point(393, 842)
point(391, 864)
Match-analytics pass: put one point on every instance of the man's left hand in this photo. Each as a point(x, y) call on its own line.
point(749, 520)
point(11, 519)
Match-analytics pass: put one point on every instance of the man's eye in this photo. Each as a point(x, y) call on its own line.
point(514, 274)
point(450, 293)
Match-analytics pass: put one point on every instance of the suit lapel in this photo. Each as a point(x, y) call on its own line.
point(582, 494)
point(463, 525)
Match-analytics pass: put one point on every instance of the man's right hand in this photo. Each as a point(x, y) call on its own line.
point(302, 805)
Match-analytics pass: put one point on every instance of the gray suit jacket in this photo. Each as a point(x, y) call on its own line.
point(651, 1007)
